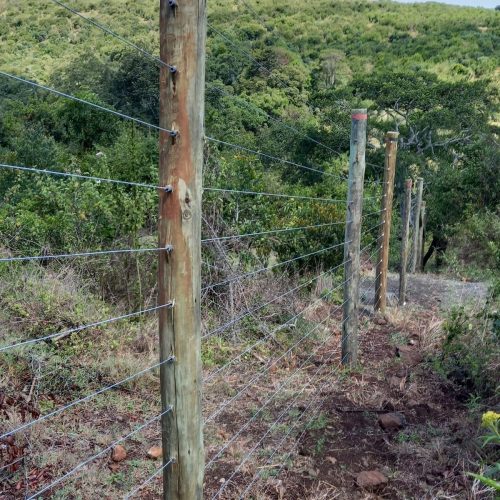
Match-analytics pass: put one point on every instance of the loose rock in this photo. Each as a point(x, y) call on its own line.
point(392, 421)
point(370, 479)
point(155, 452)
point(119, 454)
point(409, 355)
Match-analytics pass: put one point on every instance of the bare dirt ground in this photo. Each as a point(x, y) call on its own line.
point(425, 456)
point(285, 420)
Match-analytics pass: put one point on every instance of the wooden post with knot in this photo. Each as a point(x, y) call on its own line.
point(182, 83)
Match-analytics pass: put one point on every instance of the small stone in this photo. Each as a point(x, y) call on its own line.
point(370, 479)
point(392, 421)
point(155, 452)
point(119, 454)
point(222, 480)
point(409, 355)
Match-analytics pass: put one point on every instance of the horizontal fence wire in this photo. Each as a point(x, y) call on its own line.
point(160, 188)
point(149, 479)
point(283, 84)
point(272, 231)
point(271, 157)
point(272, 118)
point(156, 59)
point(277, 447)
point(268, 268)
point(84, 327)
point(256, 414)
point(275, 423)
point(88, 103)
point(265, 370)
point(112, 33)
point(96, 253)
point(261, 306)
point(277, 195)
point(35, 170)
point(86, 398)
point(100, 454)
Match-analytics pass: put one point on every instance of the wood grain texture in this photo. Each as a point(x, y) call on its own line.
point(182, 44)
point(391, 149)
point(416, 225)
point(403, 276)
point(353, 236)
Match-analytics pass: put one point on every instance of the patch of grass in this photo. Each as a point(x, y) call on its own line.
point(318, 423)
point(408, 437)
point(471, 350)
point(398, 338)
point(319, 448)
point(215, 351)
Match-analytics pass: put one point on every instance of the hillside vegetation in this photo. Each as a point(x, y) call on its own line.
point(282, 78)
point(430, 71)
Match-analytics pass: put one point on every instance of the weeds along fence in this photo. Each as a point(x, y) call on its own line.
point(249, 335)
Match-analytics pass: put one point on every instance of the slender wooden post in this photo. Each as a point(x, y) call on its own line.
point(416, 225)
point(404, 243)
point(353, 236)
point(182, 46)
point(391, 148)
point(421, 238)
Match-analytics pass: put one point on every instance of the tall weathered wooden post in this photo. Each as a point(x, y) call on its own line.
point(353, 236)
point(416, 225)
point(421, 238)
point(403, 276)
point(182, 80)
point(391, 148)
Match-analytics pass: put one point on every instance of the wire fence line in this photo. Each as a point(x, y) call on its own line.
point(331, 248)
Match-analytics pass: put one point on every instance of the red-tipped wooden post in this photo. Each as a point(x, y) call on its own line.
point(353, 236)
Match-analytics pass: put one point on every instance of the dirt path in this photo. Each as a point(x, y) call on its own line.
point(427, 448)
point(430, 291)
point(424, 452)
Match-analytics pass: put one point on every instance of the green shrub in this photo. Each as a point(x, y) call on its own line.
point(471, 354)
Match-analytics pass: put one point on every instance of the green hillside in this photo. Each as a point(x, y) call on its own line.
point(431, 71)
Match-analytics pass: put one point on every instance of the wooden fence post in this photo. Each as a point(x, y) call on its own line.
point(416, 225)
point(353, 236)
point(182, 47)
point(391, 148)
point(404, 243)
point(421, 238)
